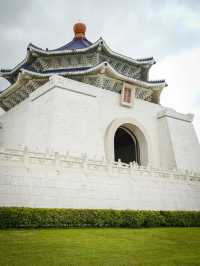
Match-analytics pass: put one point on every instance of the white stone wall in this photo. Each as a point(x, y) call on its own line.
point(69, 116)
point(65, 115)
point(64, 181)
point(178, 141)
point(167, 157)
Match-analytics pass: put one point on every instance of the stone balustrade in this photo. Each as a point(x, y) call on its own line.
point(59, 161)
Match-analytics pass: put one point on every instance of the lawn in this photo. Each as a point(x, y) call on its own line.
point(154, 246)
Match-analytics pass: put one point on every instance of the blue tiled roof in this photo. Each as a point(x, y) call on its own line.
point(75, 44)
point(74, 69)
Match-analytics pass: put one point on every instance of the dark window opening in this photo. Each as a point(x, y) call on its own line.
point(126, 146)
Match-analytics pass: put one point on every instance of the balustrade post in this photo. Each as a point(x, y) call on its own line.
point(67, 155)
point(119, 163)
point(84, 161)
point(2, 149)
point(57, 160)
point(131, 167)
point(109, 166)
point(25, 155)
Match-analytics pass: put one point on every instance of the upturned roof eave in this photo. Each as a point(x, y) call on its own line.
point(105, 66)
point(99, 43)
point(11, 87)
point(97, 69)
point(17, 67)
point(142, 61)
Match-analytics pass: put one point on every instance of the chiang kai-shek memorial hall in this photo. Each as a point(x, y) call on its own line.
point(82, 126)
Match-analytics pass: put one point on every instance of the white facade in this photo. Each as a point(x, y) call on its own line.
point(67, 116)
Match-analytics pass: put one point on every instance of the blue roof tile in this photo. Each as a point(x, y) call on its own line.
point(75, 44)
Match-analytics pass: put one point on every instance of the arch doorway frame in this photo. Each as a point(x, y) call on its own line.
point(135, 142)
point(137, 129)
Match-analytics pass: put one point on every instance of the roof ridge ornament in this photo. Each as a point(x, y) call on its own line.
point(79, 30)
point(100, 44)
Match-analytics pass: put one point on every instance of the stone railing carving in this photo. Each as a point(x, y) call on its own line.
point(62, 161)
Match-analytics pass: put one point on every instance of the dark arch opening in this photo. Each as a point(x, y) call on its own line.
point(126, 146)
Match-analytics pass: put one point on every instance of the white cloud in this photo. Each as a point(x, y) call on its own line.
point(182, 75)
point(3, 84)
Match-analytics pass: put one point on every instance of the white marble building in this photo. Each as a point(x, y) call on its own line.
point(75, 120)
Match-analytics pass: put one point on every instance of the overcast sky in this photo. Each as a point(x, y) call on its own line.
point(167, 30)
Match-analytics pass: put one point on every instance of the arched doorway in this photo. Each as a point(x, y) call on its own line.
point(126, 147)
point(139, 136)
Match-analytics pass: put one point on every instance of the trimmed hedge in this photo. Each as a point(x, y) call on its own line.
point(14, 217)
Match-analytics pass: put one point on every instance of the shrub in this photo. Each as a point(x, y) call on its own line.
point(153, 219)
point(181, 218)
point(15, 217)
point(132, 219)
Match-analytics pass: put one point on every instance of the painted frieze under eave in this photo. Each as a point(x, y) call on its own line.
point(102, 76)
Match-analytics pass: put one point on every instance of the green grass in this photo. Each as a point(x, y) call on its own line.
point(155, 246)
